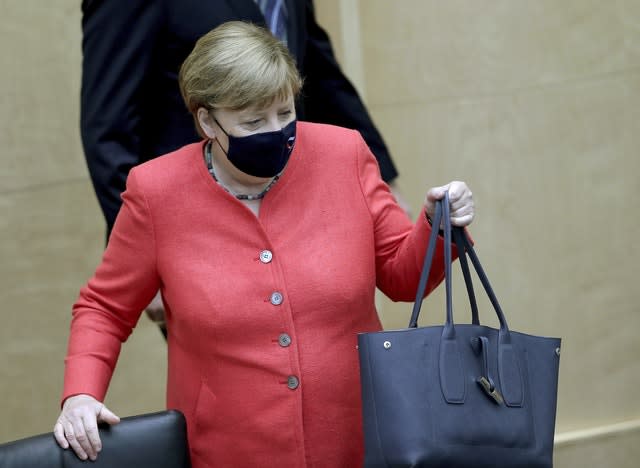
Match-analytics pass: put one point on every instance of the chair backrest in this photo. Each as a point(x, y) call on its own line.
point(157, 440)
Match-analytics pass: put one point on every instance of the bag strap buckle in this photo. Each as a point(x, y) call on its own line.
point(490, 389)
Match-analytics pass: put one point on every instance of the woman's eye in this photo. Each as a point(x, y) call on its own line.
point(286, 113)
point(252, 123)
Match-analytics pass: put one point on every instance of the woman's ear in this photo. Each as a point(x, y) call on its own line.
point(206, 123)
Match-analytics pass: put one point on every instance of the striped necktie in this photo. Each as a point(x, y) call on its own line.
point(275, 14)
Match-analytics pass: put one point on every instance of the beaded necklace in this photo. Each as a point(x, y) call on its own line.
point(209, 159)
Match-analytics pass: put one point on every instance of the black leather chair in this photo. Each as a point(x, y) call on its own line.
point(157, 440)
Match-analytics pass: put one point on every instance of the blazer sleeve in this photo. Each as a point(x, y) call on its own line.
point(109, 306)
point(118, 38)
point(329, 97)
point(400, 245)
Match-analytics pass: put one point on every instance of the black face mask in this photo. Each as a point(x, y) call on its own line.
point(261, 154)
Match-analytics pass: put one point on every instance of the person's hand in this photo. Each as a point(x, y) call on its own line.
point(397, 193)
point(155, 310)
point(460, 202)
point(77, 425)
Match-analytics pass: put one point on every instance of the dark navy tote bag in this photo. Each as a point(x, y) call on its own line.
point(458, 395)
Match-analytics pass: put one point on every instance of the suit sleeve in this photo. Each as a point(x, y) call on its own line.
point(400, 245)
point(329, 97)
point(117, 47)
point(109, 306)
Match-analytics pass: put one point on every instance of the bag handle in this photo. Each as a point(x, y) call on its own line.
point(442, 216)
point(452, 375)
point(458, 234)
point(426, 266)
point(510, 377)
point(468, 250)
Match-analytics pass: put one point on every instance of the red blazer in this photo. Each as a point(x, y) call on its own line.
point(262, 312)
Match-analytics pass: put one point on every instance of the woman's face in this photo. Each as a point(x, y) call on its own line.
point(219, 124)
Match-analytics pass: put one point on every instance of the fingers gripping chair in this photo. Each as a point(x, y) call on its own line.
point(157, 440)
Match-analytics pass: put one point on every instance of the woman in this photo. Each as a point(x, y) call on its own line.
point(267, 240)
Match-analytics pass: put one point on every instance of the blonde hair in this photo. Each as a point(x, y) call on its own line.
point(235, 66)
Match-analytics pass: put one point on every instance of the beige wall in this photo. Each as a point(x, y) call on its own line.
point(51, 229)
point(534, 103)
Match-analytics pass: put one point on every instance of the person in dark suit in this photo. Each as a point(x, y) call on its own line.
point(131, 108)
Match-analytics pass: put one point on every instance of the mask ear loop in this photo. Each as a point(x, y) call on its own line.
point(218, 124)
point(223, 131)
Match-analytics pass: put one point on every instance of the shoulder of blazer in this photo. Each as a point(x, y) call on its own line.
point(170, 170)
point(317, 132)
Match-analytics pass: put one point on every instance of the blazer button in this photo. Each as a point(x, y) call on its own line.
point(276, 298)
point(284, 340)
point(266, 256)
point(292, 382)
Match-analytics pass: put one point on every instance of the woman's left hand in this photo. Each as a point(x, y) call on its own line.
point(460, 202)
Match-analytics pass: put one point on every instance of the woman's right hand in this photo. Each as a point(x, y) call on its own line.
point(77, 425)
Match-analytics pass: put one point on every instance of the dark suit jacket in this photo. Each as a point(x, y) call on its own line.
point(131, 108)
